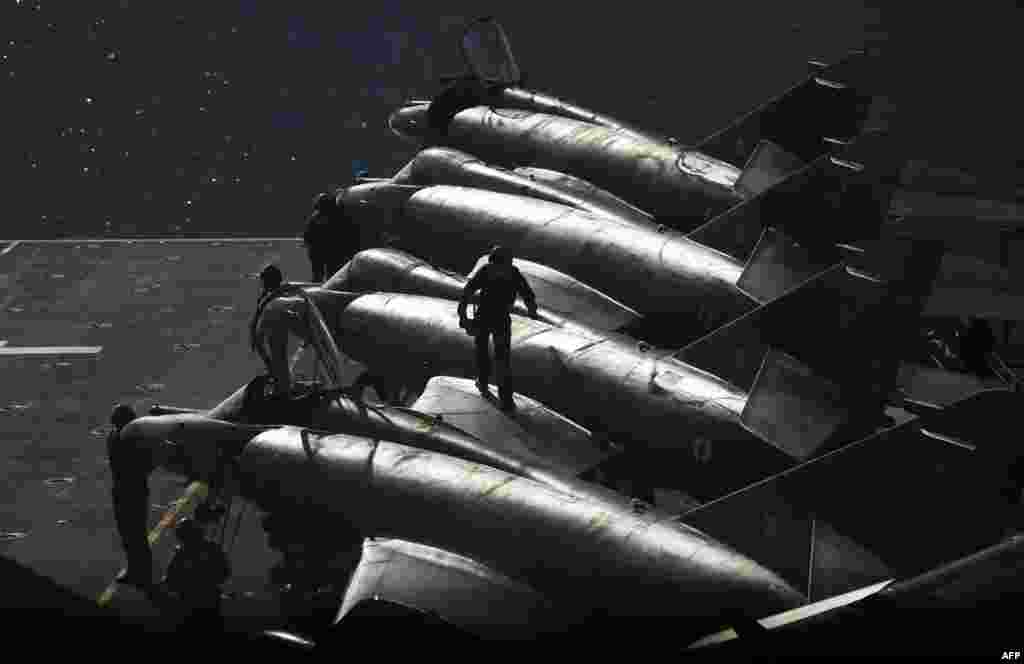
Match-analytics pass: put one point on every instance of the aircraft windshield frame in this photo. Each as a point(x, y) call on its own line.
point(487, 52)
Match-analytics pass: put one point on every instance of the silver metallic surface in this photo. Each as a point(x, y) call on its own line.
point(535, 432)
point(676, 185)
point(569, 548)
point(542, 445)
point(488, 56)
point(453, 167)
point(542, 102)
point(562, 300)
point(645, 400)
point(460, 590)
point(654, 273)
point(581, 188)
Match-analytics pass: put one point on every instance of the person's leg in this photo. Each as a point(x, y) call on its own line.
point(483, 359)
point(131, 509)
point(502, 353)
point(316, 264)
point(277, 347)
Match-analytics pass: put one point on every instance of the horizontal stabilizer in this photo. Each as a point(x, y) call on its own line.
point(792, 407)
point(534, 432)
point(778, 264)
point(986, 578)
point(768, 165)
point(878, 524)
point(830, 103)
point(566, 296)
point(939, 388)
point(849, 326)
point(838, 198)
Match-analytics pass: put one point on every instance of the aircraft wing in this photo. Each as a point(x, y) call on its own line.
point(533, 431)
point(983, 581)
point(461, 591)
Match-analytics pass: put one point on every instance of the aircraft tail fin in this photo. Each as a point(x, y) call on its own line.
point(798, 226)
point(850, 518)
point(821, 361)
point(831, 102)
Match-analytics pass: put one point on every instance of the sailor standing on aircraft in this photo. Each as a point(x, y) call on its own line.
point(272, 345)
point(499, 281)
point(317, 236)
point(330, 237)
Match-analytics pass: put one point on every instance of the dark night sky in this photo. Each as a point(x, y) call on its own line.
point(226, 117)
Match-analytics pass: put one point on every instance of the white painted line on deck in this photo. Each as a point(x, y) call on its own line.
point(28, 351)
point(158, 240)
point(9, 247)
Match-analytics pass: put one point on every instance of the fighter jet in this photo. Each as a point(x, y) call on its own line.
point(579, 547)
point(488, 115)
point(447, 166)
point(924, 380)
point(685, 286)
point(790, 520)
point(563, 301)
point(777, 392)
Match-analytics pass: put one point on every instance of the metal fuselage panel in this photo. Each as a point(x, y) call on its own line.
point(395, 271)
point(580, 188)
point(542, 102)
point(654, 273)
point(645, 173)
point(446, 166)
point(560, 544)
point(400, 425)
point(655, 405)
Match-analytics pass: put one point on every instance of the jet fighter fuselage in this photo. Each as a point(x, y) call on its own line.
point(679, 186)
point(688, 287)
point(634, 394)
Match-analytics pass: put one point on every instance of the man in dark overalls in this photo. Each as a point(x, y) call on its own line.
point(197, 573)
point(330, 237)
point(317, 236)
point(976, 345)
point(499, 281)
point(130, 466)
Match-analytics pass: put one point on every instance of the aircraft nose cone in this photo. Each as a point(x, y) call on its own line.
point(410, 121)
point(360, 196)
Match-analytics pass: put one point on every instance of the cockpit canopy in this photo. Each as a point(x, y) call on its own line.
point(488, 54)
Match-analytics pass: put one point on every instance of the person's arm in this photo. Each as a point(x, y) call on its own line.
point(308, 234)
point(469, 290)
point(528, 297)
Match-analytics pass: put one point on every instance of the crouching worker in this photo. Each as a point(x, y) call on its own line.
point(197, 574)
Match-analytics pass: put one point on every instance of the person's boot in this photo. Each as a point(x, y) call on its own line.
point(508, 404)
point(484, 389)
point(138, 572)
